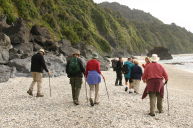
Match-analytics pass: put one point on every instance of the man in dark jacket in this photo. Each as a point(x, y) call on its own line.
point(119, 72)
point(75, 71)
point(37, 67)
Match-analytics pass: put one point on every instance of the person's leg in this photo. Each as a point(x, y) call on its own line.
point(159, 103)
point(96, 101)
point(72, 82)
point(126, 84)
point(120, 78)
point(39, 84)
point(136, 84)
point(92, 94)
point(78, 83)
point(152, 97)
point(30, 91)
point(117, 78)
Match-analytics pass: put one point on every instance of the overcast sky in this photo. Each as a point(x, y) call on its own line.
point(179, 12)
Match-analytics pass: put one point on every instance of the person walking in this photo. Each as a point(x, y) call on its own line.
point(93, 77)
point(37, 67)
point(127, 75)
point(153, 76)
point(147, 61)
point(136, 74)
point(119, 67)
point(114, 64)
point(75, 71)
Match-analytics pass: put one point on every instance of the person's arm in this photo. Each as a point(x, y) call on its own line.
point(87, 68)
point(165, 75)
point(67, 65)
point(44, 64)
point(82, 68)
point(144, 76)
point(98, 67)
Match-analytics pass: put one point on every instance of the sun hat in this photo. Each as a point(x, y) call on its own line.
point(154, 58)
point(95, 56)
point(75, 52)
point(42, 50)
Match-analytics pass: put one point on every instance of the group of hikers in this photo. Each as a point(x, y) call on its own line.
point(153, 76)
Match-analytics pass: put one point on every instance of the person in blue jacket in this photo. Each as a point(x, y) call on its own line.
point(127, 76)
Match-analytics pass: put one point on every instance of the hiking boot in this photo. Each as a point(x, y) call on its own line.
point(30, 92)
point(39, 95)
point(161, 111)
point(91, 102)
point(151, 114)
point(126, 88)
point(136, 92)
point(120, 85)
point(116, 85)
point(76, 102)
point(96, 103)
point(130, 92)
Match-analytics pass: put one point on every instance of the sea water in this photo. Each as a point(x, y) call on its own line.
point(181, 61)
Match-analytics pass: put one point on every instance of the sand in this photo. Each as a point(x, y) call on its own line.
point(123, 110)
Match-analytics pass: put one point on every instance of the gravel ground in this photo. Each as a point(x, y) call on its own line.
point(123, 110)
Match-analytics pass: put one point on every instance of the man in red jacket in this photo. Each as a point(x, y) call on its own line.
point(153, 75)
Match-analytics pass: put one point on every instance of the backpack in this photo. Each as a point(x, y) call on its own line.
point(74, 66)
point(125, 69)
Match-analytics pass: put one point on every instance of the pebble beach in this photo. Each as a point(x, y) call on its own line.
point(122, 110)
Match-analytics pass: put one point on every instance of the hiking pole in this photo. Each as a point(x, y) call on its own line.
point(168, 100)
point(106, 88)
point(50, 86)
point(86, 90)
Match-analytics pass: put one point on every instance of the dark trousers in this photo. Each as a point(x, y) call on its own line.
point(76, 83)
point(119, 78)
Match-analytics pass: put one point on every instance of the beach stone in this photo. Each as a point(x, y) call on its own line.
point(5, 45)
point(162, 52)
point(5, 72)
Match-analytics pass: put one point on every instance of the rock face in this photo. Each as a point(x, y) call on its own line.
point(22, 65)
point(65, 47)
point(5, 45)
point(5, 73)
point(22, 42)
point(87, 52)
point(162, 52)
point(56, 64)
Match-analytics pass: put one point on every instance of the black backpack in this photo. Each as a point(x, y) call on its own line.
point(125, 69)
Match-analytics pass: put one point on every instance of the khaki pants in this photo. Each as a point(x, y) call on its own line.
point(76, 83)
point(94, 90)
point(37, 77)
point(153, 97)
point(135, 85)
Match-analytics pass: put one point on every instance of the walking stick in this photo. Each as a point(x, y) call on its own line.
point(106, 88)
point(50, 87)
point(86, 90)
point(168, 100)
